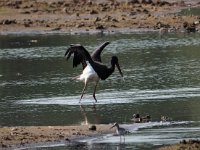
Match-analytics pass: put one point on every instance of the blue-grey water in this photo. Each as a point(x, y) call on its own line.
point(161, 75)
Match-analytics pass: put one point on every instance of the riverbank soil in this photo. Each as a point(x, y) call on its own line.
point(184, 145)
point(30, 136)
point(87, 15)
point(12, 137)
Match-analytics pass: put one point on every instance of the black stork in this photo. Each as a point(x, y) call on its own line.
point(93, 69)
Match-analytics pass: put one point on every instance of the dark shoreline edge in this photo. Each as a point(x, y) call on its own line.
point(76, 32)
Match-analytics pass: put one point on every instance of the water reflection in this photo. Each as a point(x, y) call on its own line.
point(161, 78)
point(85, 115)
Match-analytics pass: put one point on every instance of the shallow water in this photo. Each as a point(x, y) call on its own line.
point(161, 78)
point(191, 11)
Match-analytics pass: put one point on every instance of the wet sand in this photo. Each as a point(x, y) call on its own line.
point(27, 136)
point(183, 145)
point(45, 16)
point(33, 136)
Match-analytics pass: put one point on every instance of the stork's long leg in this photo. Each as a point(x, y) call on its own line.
point(95, 90)
point(83, 91)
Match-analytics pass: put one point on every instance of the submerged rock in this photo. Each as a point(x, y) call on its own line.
point(100, 27)
point(189, 27)
point(8, 21)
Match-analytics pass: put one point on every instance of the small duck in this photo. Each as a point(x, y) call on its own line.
point(165, 118)
point(147, 118)
point(137, 119)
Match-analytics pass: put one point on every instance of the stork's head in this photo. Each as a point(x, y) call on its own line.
point(115, 125)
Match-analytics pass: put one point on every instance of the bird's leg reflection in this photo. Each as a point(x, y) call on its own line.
point(84, 115)
point(94, 108)
point(120, 147)
point(86, 122)
point(122, 139)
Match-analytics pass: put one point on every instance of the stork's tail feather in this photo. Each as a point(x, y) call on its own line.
point(76, 78)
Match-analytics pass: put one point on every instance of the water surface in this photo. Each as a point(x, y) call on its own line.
point(161, 78)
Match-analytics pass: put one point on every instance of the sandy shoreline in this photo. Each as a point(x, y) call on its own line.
point(42, 16)
point(38, 136)
point(27, 136)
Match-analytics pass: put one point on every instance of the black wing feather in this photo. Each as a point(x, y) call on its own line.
point(81, 55)
point(96, 55)
point(78, 58)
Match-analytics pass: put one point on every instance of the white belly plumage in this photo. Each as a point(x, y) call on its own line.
point(88, 74)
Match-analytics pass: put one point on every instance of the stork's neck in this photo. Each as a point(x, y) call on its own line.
point(111, 69)
point(117, 126)
point(102, 70)
point(112, 66)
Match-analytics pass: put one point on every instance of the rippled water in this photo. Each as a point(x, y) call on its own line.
point(161, 78)
point(191, 11)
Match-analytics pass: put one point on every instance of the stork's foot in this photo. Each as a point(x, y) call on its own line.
point(80, 100)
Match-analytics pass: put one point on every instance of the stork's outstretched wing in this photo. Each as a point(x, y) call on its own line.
point(81, 55)
point(96, 55)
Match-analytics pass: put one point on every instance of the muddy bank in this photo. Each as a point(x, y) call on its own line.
point(31, 136)
point(183, 145)
point(12, 137)
point(72, 15)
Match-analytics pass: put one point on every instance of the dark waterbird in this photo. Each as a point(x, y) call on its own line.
point(141, 119)
point(120, 131)
point(93, 69)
